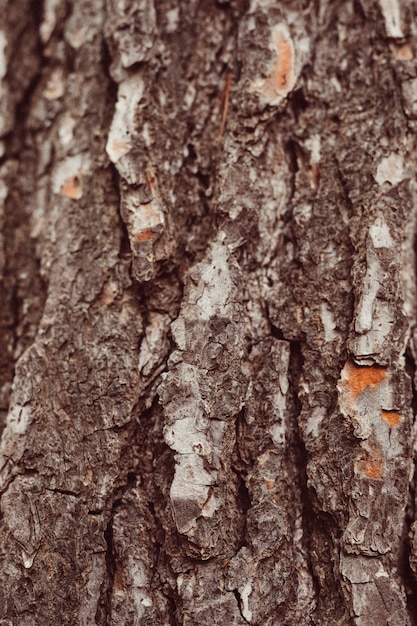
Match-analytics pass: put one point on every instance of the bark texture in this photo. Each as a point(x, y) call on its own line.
point(208, 322)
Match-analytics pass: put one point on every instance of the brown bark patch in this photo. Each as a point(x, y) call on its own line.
point(315, 176)
point(120, 582)
point(88, 477)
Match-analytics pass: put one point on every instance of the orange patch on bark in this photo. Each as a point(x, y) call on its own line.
point(53, 92)
point(402, 52)
point(73, 188)
point(120, 146)
point(361, 376)
point(280, 78)
point(144, 235)
point(371, 464)
point(284, 64)
point(315, 176)
point(151, 180)
point(371, 468)
point(391, 417)
point(269, 484)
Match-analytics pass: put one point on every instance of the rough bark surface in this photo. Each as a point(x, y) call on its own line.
point(208, 322)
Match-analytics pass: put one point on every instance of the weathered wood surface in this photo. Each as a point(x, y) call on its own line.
point(207, 346)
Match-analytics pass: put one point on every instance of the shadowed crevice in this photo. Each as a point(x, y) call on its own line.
point(405, 557)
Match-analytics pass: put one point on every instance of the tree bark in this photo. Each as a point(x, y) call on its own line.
point(208, 321)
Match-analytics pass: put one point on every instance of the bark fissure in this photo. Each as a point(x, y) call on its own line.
point(20, 282)
point(406, 555)
point(310, 518)
point(104, 600)
point(239, 603)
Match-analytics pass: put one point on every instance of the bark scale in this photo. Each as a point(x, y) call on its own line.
point(208, 326)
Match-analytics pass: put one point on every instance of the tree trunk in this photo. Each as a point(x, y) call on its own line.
point(208, 313)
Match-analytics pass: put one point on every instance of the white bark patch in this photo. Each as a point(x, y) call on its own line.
point(172, 20)
point(178, 332)
point(375, 313)
point(329, 323)
point(18, 419)
point(392, 17)
point(372, 283)
point(68, 176)
point(85, 21)
point(277, 432)
point(184, 437)
point(141, 18)
point(202, 393)
point(189, 435)
point(189, 96)
point(55, 86)
point(380, 234)
point(140, 583)
point(409, 88)
point(49, 19)
point(152, 347)
point(213, 294)
point(147, 135)
point(244, 594)
point(28, 559)
point(144, 216)
point(144, 221)
point(123, 125)
point(3, 60)
point(188, 495)
point(314, 422)
point(303, 213)
point(314, 144)
point(390, 170)
point(88, 608)
point(38, 212)
point(4, 192)
point(66, 130)
point(279, 402)
point(372, 341)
